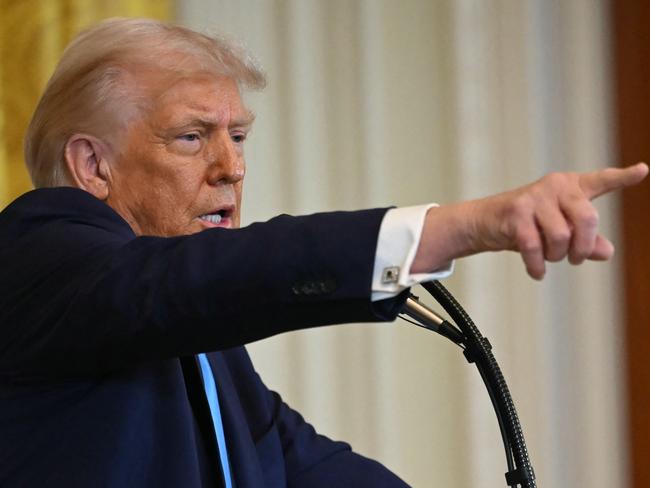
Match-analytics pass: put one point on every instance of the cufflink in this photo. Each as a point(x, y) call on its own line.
point(390, 275)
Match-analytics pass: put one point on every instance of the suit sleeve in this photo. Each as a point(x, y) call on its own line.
point(81, 291)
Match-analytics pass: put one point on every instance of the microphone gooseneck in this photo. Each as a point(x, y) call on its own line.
point(477, 349)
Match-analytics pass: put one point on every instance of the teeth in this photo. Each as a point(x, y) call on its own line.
point(214, 218)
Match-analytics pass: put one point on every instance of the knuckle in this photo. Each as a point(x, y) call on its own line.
point(589, 218)
point(528, 244)
point(559, 236)
point(519, 207)
point(555, 179)
point(557, 244)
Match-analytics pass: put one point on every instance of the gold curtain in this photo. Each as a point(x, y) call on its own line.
point(33, 34)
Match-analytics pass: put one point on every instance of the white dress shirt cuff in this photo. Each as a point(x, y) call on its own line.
point(399, 238)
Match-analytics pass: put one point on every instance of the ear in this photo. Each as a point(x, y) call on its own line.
point(86, 160)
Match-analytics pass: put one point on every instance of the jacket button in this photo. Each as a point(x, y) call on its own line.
point(309, 288)
point(327, 286)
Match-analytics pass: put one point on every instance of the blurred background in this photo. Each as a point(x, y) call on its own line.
point(386, 102)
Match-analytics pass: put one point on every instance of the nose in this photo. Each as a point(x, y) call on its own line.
point(226, 161)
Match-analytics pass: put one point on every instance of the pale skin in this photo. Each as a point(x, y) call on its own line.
point(548, 220)
point(183, 158)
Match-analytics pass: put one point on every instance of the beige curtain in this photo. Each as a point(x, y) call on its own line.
point(381, 102)
point(33, 34)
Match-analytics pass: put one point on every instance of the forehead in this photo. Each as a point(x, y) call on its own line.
point(208, 96)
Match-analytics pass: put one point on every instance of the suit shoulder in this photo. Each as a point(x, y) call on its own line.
point(61, 207)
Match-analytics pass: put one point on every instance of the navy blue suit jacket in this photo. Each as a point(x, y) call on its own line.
point(99, 384)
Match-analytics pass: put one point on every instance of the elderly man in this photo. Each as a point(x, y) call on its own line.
point(128, 289)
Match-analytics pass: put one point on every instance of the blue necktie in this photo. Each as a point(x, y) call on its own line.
point(213, 401)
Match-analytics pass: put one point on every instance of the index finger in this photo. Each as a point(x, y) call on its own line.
point(597, 183)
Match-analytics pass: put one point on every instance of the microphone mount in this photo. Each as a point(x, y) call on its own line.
point(478, 350)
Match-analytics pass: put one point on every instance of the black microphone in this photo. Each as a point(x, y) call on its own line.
point(478, 350)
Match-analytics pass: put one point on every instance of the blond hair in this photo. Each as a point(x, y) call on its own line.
point(92, 87)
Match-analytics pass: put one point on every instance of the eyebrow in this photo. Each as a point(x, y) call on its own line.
point(245, 120)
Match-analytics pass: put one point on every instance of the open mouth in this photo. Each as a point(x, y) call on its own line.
point(221, 216)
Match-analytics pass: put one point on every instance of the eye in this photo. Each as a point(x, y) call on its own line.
point(238, 137)
point(191, 137)
point(188, 143)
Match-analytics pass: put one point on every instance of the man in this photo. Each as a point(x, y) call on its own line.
point(124, 272)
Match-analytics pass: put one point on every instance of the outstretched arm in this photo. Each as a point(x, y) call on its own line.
point(548, 220)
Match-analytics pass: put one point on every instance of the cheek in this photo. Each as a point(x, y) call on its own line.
point(161, 203)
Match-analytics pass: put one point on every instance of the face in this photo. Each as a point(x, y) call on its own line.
point(181, 167)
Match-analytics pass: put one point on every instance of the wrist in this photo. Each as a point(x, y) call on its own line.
point(446, 235)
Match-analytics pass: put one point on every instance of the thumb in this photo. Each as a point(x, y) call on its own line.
point(603, 249)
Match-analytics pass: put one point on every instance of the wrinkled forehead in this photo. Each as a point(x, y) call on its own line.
point(165, 93)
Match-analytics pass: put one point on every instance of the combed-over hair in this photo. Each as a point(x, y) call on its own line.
point(92, 88)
